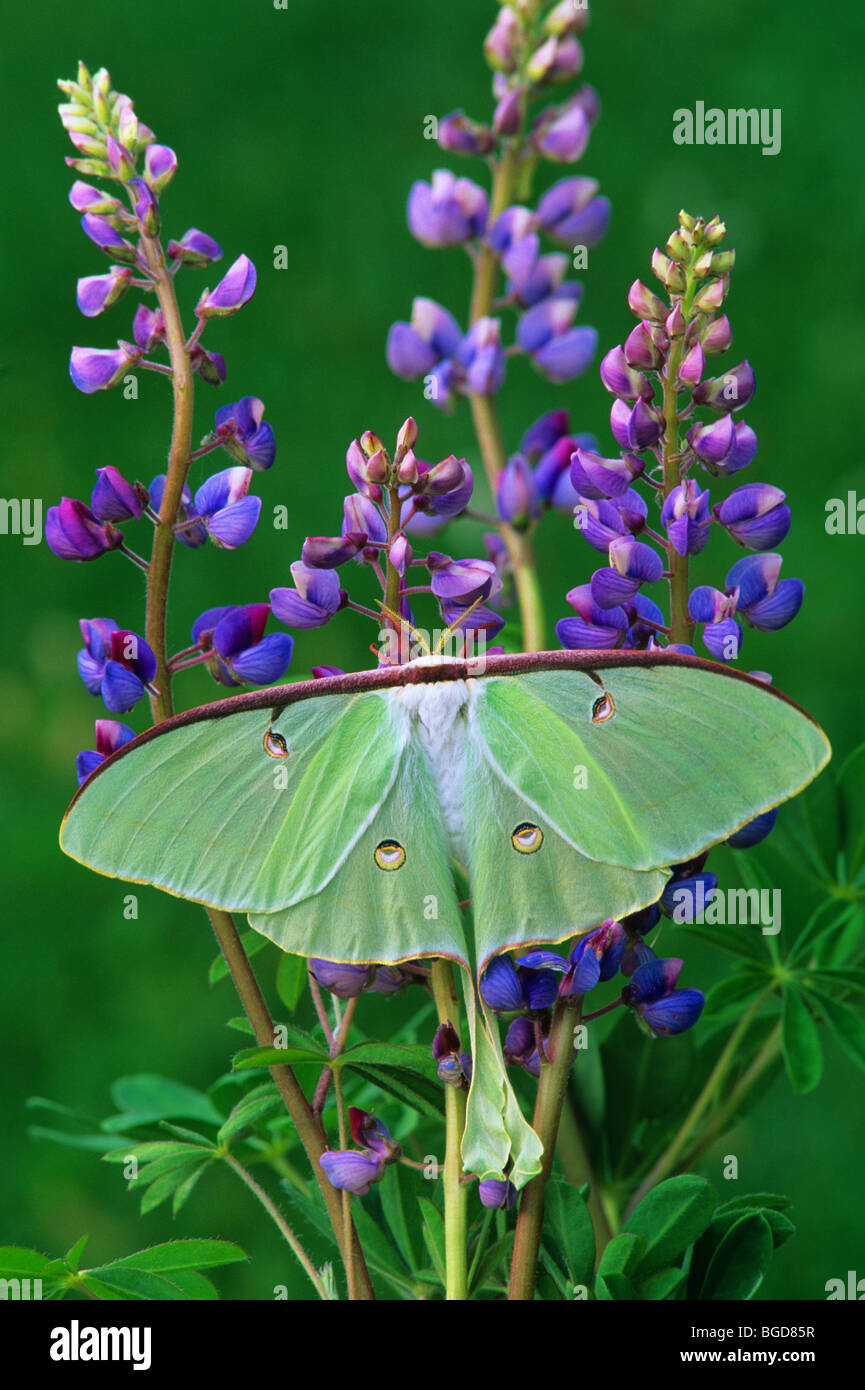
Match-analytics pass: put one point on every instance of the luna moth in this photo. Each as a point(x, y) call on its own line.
point(333, 812)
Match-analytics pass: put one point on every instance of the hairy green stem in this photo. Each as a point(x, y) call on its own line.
point(552, 1088)
point(455, 1190)
point(681, 623)
point(279, 1221)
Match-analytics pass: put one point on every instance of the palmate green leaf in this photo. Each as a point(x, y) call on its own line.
point(662, 1286)
point(155, 1149)
point(671, 1217)
point(255, 1057)
point(249, 1109)
point(145, 1097)
point(291, 977)
point(416, 1091)
point(739, 1264)
point(622, 1254)
point(184, 1189)
point(730, 996)
point(742, 940)
point(408, 1057)
point(844, 945)
point(19, 1262)
point(95, 1143)
point(846, 1025)
point(568, 1228)
point(194, 1254)
point(833, 981)
point(800, 1042)
point(769, 1206)
point(136, 1283)
point(829, 916)
point(165, 1184)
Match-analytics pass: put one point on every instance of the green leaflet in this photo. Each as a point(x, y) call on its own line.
point(449, 769)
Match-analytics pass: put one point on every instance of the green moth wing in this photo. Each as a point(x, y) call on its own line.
point(675, 758)
point(203, 812)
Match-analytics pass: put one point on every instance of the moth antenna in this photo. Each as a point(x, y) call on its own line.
point(453, 627)
point(404, 623)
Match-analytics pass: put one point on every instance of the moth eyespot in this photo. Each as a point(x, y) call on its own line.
point(389, 855)
point(527, 838)
point(275, 745)
point(603, 709)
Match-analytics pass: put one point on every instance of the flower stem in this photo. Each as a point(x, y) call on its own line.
point(552, 1088)
point(279, 1221)
point(681, 623)
point(456, 1193)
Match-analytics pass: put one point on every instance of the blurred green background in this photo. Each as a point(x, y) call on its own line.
point(304, 127)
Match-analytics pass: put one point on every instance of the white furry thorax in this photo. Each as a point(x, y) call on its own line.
point(438, 713)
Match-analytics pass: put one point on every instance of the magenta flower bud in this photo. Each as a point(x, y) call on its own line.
point(96, 293)
point(692, 367)
point(644, 426)
point(641, 351)
point(710, 297)
point(717, 336)
point(675, 322)
point(685, 514)
point(644, 304)
point(622, 380)
point(459, 135)
point(114, 499)
point(596, 477)
point(406, 438)
point(446, 211)
point(146, 207)
point(755, 515)
point(98, 369)
point(400, 553)
point(561, 135)
point(74, 533)
point(729, 392)
point(103, 235)
point(234, 290)
point(160, 164)
point(195, 248)
point(508, 112)
point(87, 199)
point(329, 552)
point(120, 161)
point(517, 500)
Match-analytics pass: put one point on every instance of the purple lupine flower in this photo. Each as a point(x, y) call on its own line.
point(120, 162)
point(113, 498)
point(447, 489)
point(755, 515)
point(96, 293)
point(723, 639)
point(210, 366)
point(595, 957)
point(593, 627)
point(510, 227)
point(340, 978)
point(74, 533)
point(685, 897)
point(521, 1048)
point(497, 1193)
point(766, 601)
point(732, 391)
point(636, 427)
point(481, 356)
point(114, 663)
point(708, 605)
point(454, 1067)
point(98, 369)
point(352, 1171)
point(506, 988)
point(237, 648)
point(596, 477)
point(645, 304)
point(148, 328)
point(685, 516)
point(459, 135)
point(196, 248)
point(561, 134)
point(103, 235)
point(645, 346)
point(533, 277)
point(644, 620)
point(223, 505)
point(361, 518)
point(447, 211)
point(329, 552)
point(464, 618)
point(243, 434)
point(461, 581)
point(414, 348)
point(560, 351)
point(235, 289)
point(146, 207)
point(371, 1134)
point(110, 735)
point(623, 380)
point(517, 499)
point(754, 831)
point(571, 212)
point(504, 41)
point(601, 521)
point(85, 198)
point(191, 536)
point(631, 564)
point(160, 164)
point(663, 1009)
point(387, 979)
point(312, 602)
